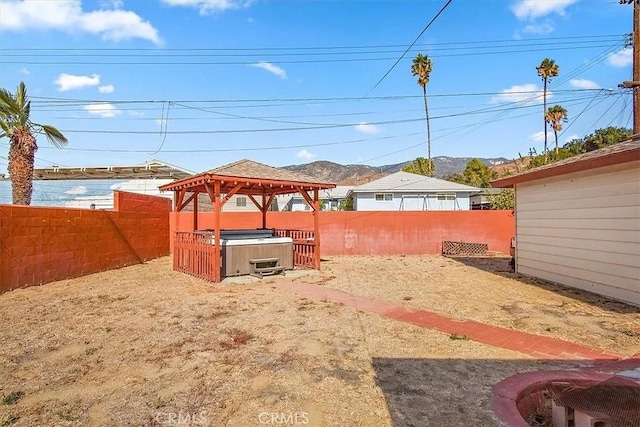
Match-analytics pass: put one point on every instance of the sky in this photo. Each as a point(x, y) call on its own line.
point(202, 83)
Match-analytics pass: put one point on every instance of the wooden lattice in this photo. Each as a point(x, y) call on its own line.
point(464, 248)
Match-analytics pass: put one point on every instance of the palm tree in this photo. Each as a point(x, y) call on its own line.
point(421, 67)
point(16, 125)
point(555, 116)
point(546, 70)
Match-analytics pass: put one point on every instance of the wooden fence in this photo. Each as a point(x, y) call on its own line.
point(304, 246)
point(193, 254)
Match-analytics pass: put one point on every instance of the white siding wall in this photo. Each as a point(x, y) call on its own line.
point(583, 230)
point(410, 202)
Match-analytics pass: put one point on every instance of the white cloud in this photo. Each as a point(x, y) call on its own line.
point(24, 71)
point(528, 93)
point(75, 191)
point(305, 154)
point(273, 69)
point(207, 7)
point(571, 138)
point(102, 109)
point(67, 82)
point(161, 122)
point(624, 58)
point(368, 128)
point(537, 137)
point(106, 89)
point(134, 113)
point(531, 9)
point(111, 4)
point(584, 84)
point(542, 29)
point(68, 16)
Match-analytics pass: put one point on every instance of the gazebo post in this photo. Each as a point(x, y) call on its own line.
point(316, 229)
point(195, 213)
point(264, 210)
point(216, 228)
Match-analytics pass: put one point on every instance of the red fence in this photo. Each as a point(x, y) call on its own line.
point(303, 246)
point(194, 253)
point(376, 233)
point(43, 244)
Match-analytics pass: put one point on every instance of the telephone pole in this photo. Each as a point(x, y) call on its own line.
point(635, 83)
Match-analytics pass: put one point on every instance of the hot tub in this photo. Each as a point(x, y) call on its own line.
point(238, 247)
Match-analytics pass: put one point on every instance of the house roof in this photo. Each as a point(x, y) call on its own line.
point(627, 151)
point(246, 168)
point(150, 169)
point(259, 178)
point(340, 192)
point(412, 183)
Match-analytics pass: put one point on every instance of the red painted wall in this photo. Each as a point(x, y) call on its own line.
point(42, 244)
point(376, 233)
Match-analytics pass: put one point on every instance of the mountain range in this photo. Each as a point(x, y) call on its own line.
point(360, 174)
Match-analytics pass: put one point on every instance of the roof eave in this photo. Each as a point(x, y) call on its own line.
point(563, 169)
point(207, 178)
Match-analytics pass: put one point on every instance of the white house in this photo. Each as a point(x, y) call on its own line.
point(404, 191)
point(331, 199)
point(578, 221)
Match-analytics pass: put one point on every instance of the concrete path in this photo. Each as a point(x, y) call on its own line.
point(539, 347)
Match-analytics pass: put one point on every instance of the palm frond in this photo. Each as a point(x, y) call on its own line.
point(8, 105)
point(21, 95)
point(6, 129)
point(54, 136)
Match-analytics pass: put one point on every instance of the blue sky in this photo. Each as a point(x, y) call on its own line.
point(206, 82)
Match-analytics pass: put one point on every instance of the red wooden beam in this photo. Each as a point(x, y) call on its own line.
point(316, 228)
point(179, 197)
point(233, 191)
point(306, 196)
point(217, 206)
point(255, 202)
point(186, 202)
point(195, 211)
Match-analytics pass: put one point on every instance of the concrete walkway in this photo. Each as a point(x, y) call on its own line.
point(536, 346)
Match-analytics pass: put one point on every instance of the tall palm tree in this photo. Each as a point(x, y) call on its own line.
point(421, 67)
point(16, 125)
point(555, 116)
point(546, 70)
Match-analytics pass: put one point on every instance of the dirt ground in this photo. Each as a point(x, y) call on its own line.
point(146, 346)
point(488, 291)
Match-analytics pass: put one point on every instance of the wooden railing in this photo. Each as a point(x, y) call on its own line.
point(194, 253)
point(303, 246)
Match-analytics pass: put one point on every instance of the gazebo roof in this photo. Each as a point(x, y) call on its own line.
point(259, 179)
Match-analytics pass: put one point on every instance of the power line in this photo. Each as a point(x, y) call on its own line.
point(270, 148)
point(305, 48)
point(206, 53)
point(38, 99)
point(288, 62)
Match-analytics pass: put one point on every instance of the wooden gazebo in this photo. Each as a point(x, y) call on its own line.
point(260, 183)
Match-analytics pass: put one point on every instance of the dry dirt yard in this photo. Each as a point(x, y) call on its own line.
point(146, 346)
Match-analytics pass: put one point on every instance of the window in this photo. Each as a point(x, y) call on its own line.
point(241, 202)
point(307, 207)
point(446, 196)
point(386, 197)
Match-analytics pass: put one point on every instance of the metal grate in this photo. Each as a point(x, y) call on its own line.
point(464, 248)
point(616, 401)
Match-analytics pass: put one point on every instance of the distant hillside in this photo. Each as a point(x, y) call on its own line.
point(360, 174)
